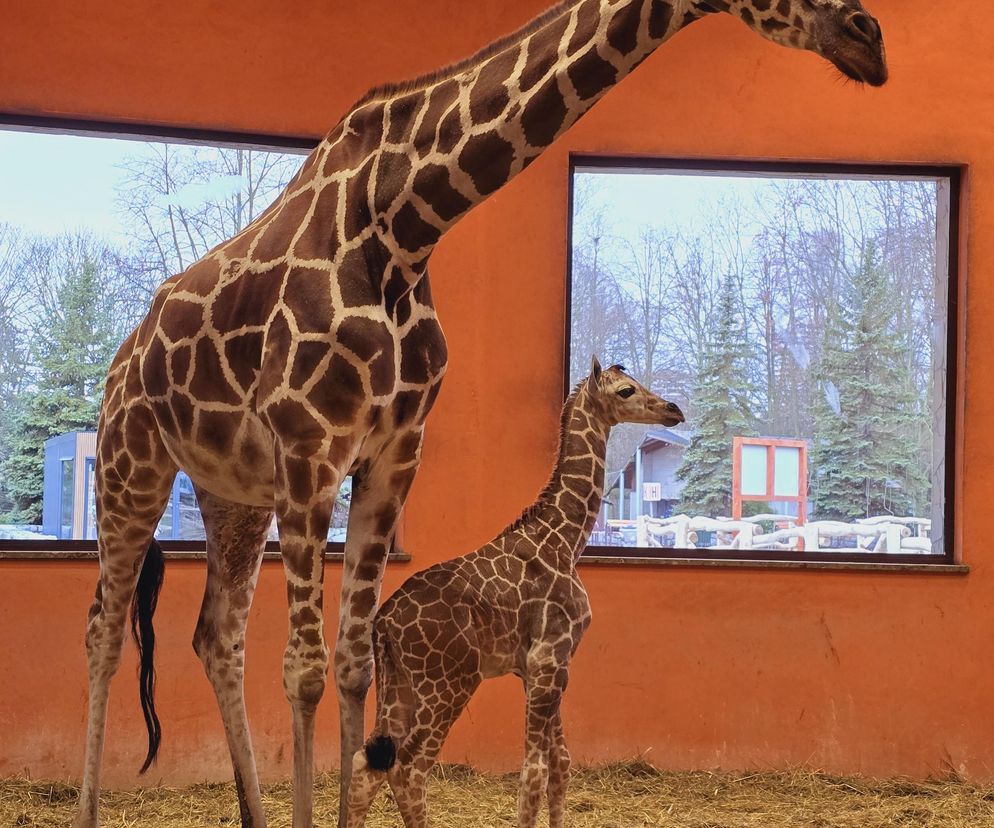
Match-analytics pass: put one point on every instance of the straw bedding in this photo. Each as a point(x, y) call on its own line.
point(632, 794)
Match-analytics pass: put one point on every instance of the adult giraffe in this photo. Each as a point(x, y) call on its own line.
point(307, 347)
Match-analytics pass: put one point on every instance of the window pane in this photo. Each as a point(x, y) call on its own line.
point(786, 472)
point(805, 313)
point(91, 501)
point(754, 470)
point(340, 515)
point(191, 525)
point(89, 227)
point(164, 531)
point(67, 495)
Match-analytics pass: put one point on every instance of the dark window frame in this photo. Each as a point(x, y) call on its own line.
point(85, 549)
point(954, 173)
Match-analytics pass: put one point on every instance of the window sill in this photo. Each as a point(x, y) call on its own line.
point(830, 566)
point(335, 554)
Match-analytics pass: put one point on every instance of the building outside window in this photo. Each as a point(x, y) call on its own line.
point(89, 227)
point(801, 319)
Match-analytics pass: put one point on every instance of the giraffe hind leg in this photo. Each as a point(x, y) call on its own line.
point(433, 718)
point(133, 480)
point(236, 539)
point(367, 778)
point(440, 692)
point(394, 708)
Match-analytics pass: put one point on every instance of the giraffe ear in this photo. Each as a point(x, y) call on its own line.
point(595, 369)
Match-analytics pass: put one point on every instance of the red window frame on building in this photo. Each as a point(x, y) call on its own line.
point(771, 444)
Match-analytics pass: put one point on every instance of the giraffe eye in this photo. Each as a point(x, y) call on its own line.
point(626, 392)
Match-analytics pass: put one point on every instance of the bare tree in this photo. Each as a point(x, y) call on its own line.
point(644, 273)
point(596, 313)
point(180, 201)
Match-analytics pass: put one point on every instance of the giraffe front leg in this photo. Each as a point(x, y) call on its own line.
point(545, 682)
point(559, 772)
point(378, 495)
point(236, 539)
point(306, 489)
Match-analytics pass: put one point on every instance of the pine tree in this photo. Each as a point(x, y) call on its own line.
point(13, 353)
point(864, 460)
point(74, 341)
point(722, 409)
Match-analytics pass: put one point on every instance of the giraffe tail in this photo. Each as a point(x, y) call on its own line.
point(381, 749)
point(142, 609)
point(381, 753)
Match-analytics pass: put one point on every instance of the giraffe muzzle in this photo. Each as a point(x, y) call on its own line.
point(672, 415)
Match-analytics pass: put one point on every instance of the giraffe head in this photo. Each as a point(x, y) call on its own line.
point(841, 31)
point(620, 399)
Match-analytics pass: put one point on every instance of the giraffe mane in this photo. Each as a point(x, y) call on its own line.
point(392, 90)
point(553, 482)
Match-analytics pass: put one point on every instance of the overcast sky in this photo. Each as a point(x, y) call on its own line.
point(679, 201)
point(51, 183)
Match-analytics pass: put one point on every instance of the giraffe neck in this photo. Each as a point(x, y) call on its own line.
point(566, 510)
point(446, 142)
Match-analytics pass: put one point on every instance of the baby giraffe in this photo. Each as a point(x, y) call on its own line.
point(515, 605)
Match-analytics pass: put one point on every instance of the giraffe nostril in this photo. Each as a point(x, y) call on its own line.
point(862, 27)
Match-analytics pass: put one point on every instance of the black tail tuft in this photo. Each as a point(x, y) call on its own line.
point(142, 610)
point(381, 753)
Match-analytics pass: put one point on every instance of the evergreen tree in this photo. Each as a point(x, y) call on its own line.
point(9, 415)
point(73, 342)
point(722, 409)
point(865, 459)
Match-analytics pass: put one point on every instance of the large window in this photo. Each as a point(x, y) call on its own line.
point(89, 227)
point(801, 317)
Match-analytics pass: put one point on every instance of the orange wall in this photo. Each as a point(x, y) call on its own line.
point(851, 672)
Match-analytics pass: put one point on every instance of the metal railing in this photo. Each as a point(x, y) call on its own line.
point(879, 534)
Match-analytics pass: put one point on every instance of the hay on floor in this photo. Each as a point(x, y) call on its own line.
point(633, 794)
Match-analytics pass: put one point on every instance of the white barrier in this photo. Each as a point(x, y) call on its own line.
point(874, 534)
